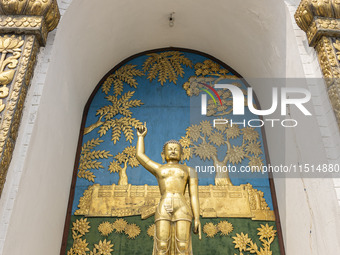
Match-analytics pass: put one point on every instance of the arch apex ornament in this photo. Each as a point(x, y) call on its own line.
point(24, 26)
point(320, 19)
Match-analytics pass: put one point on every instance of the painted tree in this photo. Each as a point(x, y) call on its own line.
point(125, 158)
point(203, 140)
point(89, 159)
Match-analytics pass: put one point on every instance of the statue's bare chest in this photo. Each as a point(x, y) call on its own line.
point(174, 172)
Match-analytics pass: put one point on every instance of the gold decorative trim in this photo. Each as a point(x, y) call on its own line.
point(328, 50)
point(308, 9)
point(30, 25)
point(320, 20)
point(48, 9)
point(322, 27)
point(10, 117)
point(32, 20)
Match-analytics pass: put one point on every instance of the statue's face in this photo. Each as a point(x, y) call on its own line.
point(172, 151)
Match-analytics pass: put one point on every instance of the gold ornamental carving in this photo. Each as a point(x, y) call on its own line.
point(215, 201)
point(24, 25)
point(48, 9)
point(320, 19)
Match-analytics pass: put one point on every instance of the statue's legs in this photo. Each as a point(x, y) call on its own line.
point(162, 238)
point(183, 237)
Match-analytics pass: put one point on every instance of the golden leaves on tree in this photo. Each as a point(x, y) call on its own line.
point(123, 124)
point(210, 73)
point(166, 65)
point(119, 107)
point(126, 74)
point(204, 139)
point(89, 159)
point(244, 243)
point(216, 109)
point(209, 67)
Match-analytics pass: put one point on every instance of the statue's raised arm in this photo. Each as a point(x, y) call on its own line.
point(146, 162)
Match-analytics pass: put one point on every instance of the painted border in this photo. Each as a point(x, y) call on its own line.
point(81, 133)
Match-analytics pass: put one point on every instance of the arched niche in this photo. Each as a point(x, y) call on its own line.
point(163, 89)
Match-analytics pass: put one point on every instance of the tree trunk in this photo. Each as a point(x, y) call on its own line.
point(123, 179)
point(222, 173)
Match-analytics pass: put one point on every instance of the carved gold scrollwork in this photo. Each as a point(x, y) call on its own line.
point(320, 20)
point(10, 49)
point(32, 20)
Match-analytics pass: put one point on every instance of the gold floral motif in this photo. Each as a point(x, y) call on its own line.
point(210, 229)
point(103, 247)
point(132, 231)
point(266, 231)
point(80, 228)
point(89, 157)
point(120, 225)
point(241, 241)
point(225, 227)
point(105, 228)
point(166, 65)
point(151, 230)
point(244, 243)
point(79, 246)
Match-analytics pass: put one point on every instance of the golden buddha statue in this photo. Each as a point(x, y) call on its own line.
point(173, 217)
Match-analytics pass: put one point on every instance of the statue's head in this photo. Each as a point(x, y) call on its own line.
point(172, 150)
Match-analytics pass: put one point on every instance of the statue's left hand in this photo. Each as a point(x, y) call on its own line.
point(197, 228)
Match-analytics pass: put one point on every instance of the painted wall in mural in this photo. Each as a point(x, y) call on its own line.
point(115, 197)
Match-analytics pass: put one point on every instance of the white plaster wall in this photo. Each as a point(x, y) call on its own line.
point(92, 37)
